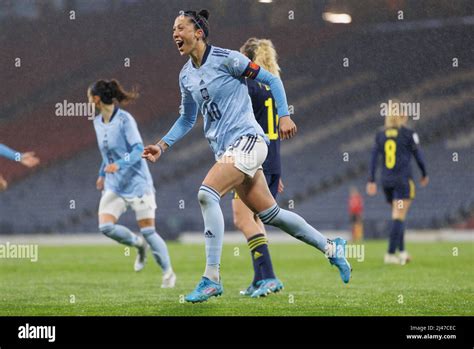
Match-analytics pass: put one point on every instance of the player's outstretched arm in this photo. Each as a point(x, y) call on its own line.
point(153, 152)
point(371, 187)
point(421, 164)
point(29, 159)
point(9, 153)
point(287, 126)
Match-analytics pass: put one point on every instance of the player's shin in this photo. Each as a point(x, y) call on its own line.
point(296, 226)
point(262, 263)
point(394, 237)
point(213, 230)
point(120, 234)
point(401, 237)
point(158, 248)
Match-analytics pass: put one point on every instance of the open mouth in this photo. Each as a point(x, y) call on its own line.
point(179, 43)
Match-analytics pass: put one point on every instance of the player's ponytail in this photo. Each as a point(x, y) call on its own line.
point(108, 91)
point(263, 53)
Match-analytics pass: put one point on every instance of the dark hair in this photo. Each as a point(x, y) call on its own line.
point(110, 90)
point(200, 20)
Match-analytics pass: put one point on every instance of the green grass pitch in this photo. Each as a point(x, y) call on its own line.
point(99, 280)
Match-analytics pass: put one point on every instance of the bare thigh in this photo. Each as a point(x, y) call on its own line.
point(254, 192)
point(107, 218)
point(147, 222)
point(224, 176)
point(400, 208)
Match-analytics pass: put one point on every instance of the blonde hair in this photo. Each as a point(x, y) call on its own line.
point(263, 53)
point(395, 120)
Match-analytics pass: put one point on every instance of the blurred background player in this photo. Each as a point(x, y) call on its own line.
point(125, 178)
point(263, 53)
point(356, 209)
point(212, 81)
point(396, 144)
point(27, 159)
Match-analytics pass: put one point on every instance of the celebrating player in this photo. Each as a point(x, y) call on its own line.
point(261, 52)
point(213, 80)
point(396, 144)
point(27, 159)
point(125, 177)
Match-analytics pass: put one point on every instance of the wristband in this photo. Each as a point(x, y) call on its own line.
point(161, 148)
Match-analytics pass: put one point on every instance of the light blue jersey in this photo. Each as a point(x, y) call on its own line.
point(120, 142)
point(9, 153)
point(219, 91)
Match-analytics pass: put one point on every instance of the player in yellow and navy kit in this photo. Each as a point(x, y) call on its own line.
point(263, 53)
point(396, 145)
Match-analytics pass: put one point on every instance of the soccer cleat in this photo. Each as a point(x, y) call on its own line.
point(404, 257)
point(169, 280)
point(205, 290)
point(141, 256)
point(251, 289)
point(339, 260)
point(391, 259)
point(266, 287)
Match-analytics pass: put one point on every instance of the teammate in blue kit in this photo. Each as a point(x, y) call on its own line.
point(263, 53)
point(28, 159)
point(213, 81)
point(396, 144)
point(125, 178)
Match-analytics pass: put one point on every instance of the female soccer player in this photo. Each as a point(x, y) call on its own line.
point(396, 144)
point(27, 159)
point(263, 53)
point(213, 79)
point(125, 178)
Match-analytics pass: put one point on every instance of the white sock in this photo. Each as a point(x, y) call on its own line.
point(167, 273)
point(212, 272)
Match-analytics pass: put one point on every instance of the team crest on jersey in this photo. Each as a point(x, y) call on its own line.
point(205, 94)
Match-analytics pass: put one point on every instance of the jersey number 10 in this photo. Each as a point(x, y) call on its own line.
point(390, 153)
point(212, 110)
point(272, 124)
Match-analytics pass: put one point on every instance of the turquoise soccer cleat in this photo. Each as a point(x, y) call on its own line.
point(204, 290)
point(251, 289)
point(266, 287)
point(340, 261)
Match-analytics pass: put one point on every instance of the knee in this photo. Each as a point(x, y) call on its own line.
point(207, 195)
point(106, 228)
point(239, 222)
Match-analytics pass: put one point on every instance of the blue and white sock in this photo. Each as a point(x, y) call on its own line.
point(213, 230)
point(120, 234)
point(158, 248)
point(294, 225)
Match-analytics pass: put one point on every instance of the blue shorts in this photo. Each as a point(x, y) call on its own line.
point(403, 189)
point(273, 179)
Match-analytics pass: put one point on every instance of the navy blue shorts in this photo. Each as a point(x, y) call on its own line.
point(403, 189)
point(273, 179)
